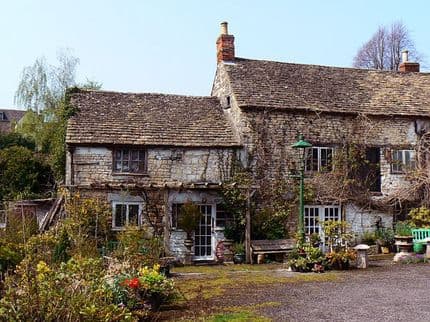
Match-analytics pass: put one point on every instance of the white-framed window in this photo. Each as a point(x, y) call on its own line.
point(316, 214)
point(401, 160)
point(126, 214)
point(129, 160)
point(2, 116)
point(319, 159)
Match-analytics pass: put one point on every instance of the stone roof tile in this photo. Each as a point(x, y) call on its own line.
point(148, 119)
point(259, 83)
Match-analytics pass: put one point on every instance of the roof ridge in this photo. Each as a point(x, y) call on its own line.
point(364, 70)
point(143, 94)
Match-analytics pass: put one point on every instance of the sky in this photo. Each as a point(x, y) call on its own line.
point(169, 46)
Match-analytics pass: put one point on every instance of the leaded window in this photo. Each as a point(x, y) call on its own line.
point(402, 160)
point(319, 159)
point(130, 160)
point(126, 214)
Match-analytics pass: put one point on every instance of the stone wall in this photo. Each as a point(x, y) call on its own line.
point(268, 135)
point(94, 165)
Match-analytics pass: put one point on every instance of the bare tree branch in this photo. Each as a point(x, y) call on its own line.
point(383, 50)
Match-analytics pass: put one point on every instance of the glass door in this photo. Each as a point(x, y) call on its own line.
point(203, 238)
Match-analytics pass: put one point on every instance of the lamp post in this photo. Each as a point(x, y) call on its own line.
point(302, 144)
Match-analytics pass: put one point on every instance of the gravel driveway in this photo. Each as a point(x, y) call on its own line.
point(388, 293)
point(383, 292)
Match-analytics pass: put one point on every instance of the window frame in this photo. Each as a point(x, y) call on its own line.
point(309, 229)
point(399, 166)
point(309, 159)
point(142, 163)
point(3, 116)
point(127, 219)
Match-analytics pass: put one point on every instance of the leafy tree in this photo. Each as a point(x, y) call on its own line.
point(42, 91)
point(15, 139)
point(22, 173)
point(384, 49)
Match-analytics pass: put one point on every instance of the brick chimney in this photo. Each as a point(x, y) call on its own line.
point(225, 45)
point(406, 66)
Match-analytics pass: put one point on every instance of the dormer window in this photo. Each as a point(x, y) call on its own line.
point(129, 161)
point(2, 116)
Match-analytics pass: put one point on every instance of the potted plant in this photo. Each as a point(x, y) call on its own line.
point(239, 253)
point(306, 258)
point(385, 239)
point(403, 240)
point(189, 219)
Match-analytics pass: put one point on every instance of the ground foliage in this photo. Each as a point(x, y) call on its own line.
point(60, 274)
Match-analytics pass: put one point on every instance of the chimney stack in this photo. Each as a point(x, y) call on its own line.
point(225, 45)
point(406, 66)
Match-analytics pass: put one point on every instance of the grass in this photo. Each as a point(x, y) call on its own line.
point(218, 280)
point(226, 268)
point(236, 317)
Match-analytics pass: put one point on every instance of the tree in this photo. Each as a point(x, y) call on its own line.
point(42, 91)
point(22, 173)
point(15, 139)
point(384, 49)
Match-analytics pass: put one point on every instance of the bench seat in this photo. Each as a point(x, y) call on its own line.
point(277, 246)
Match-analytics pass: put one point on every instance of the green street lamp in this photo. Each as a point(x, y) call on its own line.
point(302, 144)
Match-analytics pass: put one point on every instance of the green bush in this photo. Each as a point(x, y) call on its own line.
point(369, 238)
point(403, 228)
point(270, 224)
point(76, 291)
point(135, 246)
point(10, 256)
point(88, 225)
point(419, 217)
point(23, 173)
point(305, 258)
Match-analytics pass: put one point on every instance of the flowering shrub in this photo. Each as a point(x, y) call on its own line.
point(340, 259)
point(75, 291)
point(147, 289)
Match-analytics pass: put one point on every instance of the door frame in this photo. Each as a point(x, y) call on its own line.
point(212, 229)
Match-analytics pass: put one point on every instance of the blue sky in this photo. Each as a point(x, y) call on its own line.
point(169, 46)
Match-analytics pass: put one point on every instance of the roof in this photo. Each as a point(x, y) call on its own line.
point(148, 119)
point(259, 83)
point(11, 116)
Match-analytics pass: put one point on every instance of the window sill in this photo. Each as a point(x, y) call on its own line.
point(129, 174)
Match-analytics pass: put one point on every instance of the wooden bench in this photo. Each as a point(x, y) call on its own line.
point(277, 246)
point(420, 238)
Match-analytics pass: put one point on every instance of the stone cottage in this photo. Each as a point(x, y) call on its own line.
point(137, 150)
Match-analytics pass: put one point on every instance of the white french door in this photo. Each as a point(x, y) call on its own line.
point(203, 236)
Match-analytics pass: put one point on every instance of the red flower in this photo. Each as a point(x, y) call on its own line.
point(133, 283)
